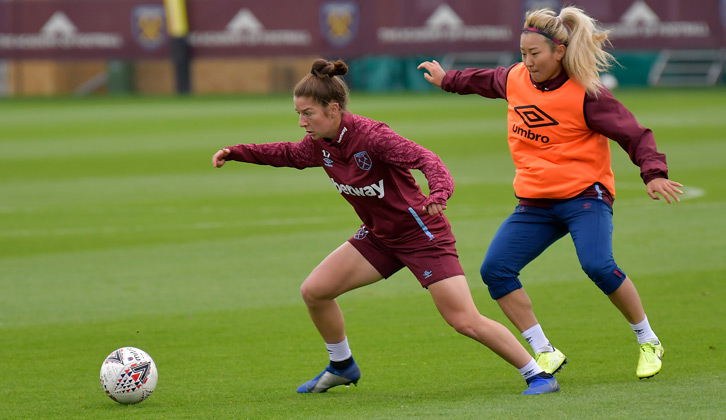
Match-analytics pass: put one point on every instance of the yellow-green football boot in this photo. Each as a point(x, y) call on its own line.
point(650, 362)
point(551, 361)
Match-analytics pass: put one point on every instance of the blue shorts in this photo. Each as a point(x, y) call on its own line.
point(530, 230)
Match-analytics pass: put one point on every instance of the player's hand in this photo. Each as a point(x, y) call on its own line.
point(435, 73)
point(218, 159)
point(434, 208)
point(665, 187)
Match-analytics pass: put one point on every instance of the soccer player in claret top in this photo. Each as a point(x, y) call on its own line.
point(369, 165)
point(559, 121)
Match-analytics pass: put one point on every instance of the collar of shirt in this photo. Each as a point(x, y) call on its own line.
point(346, 123)
point(551, 84)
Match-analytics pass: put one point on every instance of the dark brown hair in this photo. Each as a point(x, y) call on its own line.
point(321, 84)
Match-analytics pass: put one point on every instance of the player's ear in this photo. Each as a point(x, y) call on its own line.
point(560, 51)
point(333, 109)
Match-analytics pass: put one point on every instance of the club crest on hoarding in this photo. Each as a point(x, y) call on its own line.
point(363, 160)
point(339, 22)
point(148, 26)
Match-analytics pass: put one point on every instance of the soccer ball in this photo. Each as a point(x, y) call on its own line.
point(128, 375)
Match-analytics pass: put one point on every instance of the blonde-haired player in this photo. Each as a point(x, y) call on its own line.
point(559, 121)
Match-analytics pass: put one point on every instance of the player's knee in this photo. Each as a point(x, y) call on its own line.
point(606, 275)
point(306, 293)
point(595, 269)
point(487, 272)
point(466, 330)
point(499, 280)
point(312, 293)
point(463, 325)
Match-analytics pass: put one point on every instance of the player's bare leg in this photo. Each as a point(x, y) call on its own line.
point(628, 302)
point(517, 306)
point(343, 270)
point(453, 300)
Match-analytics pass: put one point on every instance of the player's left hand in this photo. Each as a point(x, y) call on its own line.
point(434, 208)
point(435, 73)
point(665, 187)
point(220, 157)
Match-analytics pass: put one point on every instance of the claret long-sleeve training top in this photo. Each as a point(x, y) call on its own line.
point(553, 133)
point(369, 165)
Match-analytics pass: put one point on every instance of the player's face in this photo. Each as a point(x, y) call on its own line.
point(318, 121)
point(543, 63)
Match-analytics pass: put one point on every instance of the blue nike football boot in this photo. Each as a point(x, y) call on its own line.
point(542, 383)
point(331, 377)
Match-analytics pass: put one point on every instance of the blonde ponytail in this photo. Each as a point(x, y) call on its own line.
point(585, 57)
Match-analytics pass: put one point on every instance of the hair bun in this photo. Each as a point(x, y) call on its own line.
point(322, 67)
point(340, 68)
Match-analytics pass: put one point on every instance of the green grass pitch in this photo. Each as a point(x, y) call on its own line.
point(115, 231)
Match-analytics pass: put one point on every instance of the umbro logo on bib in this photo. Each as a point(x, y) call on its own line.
point(534, 117)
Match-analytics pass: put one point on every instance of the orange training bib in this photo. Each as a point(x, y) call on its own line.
point(555, 153)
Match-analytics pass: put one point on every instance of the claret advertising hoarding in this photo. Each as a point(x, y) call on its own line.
point(136, 29)
point(82, 29)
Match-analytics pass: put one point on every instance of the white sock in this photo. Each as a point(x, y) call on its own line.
point(339, 351)
point(643, 331)
point(536, 338)
point(530, 369)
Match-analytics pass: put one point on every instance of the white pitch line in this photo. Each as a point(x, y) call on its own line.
point(690, 193)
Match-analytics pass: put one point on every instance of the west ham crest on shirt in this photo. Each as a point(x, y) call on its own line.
point(363, 160)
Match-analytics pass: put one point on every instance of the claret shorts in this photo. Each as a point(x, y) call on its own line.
point(430, 261)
